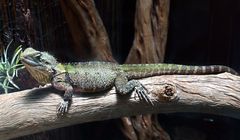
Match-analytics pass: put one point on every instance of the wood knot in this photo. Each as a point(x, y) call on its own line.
point(167, 93)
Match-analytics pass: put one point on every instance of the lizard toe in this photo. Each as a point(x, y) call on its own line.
point(62, 107)
point(142, 94)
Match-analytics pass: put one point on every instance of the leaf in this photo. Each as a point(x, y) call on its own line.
point(9, 68)
point(5, 52)
point(10, 80)
point(15, 58)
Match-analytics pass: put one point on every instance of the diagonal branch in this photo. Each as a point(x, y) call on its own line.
point(87, 29)
point(30, 111)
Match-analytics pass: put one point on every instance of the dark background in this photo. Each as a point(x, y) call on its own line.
point(201, 32)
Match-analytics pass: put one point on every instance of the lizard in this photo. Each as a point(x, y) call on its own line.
point(96, 76)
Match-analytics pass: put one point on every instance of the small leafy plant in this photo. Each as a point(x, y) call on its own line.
point(9, 67)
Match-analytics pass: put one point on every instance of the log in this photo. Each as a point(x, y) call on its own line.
point(31, 111)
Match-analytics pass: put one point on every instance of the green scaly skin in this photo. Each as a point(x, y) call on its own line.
point(99, 76)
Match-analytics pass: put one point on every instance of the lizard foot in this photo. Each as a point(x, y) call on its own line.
point(142, 94)
point(62, 107)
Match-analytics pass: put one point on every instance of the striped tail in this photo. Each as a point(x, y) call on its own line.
point(147, 70)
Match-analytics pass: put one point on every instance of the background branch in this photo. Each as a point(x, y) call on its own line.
point(88, 32)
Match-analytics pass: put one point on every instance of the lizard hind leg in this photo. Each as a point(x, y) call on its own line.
point(123, 86)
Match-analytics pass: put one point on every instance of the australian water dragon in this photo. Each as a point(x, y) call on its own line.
point(99, 76)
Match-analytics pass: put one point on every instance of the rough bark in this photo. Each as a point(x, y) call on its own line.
point(16, 23)
point(87, 29)
point(32, 111)
point(151, 26)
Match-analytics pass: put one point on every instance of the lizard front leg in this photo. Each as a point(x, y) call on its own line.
point(123, 86)
point(64, 85)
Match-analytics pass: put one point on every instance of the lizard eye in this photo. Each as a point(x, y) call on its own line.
point(38, 56)
point(45, 61)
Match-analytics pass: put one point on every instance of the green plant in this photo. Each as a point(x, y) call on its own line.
point(9, 68)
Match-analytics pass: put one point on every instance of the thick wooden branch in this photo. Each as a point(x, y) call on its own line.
point(149, 45)
point(87, 29)
point(151, 27)
point(32, 111)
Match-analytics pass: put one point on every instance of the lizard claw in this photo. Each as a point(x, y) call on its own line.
point(62, 107)
point(142, 94)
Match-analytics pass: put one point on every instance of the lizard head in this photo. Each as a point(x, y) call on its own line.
point(39, 64)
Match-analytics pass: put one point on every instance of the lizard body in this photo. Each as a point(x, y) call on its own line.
point(97, 76)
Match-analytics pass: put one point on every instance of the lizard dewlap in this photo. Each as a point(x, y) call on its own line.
point(97, 76)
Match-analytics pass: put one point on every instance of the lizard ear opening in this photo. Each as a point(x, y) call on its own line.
point(48, 59)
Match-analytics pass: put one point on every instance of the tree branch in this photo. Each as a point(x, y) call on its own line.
point(87, 29)
point(32, 111)
point(149, 45)
point(151, 28)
